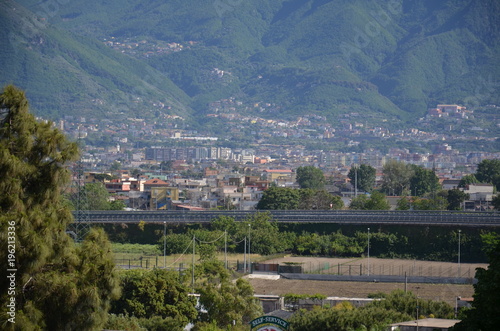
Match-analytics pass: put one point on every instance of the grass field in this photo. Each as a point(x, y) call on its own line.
point(148, 256)
point(175, 261)
point(375, 266)
point(439, 292)
point(444, 292)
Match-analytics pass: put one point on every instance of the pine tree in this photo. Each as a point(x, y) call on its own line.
point(226, 302)
point(485, 312)
point(58, 286)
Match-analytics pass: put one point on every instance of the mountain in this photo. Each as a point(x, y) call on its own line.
point(68, 74)
point(388, 61)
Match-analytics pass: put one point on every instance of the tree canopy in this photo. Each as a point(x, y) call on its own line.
point(96, 197)
point(456, 198)
point(496, 202)
point(376, 201)
point(396, 177)
point(225, 302)
point(485, 312)
point(58, 285)
point(488, 171)
point(310, 177)
point(157, 292)
point(396, 307)
point(310, 199)
point(286, 198)
point(423, 181)
point(363, 176)
point(279, 198)
point(467, 179)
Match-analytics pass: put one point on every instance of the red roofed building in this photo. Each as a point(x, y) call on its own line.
point(155, 182)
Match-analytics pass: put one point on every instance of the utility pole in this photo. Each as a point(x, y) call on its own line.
point(192, 271)
point(164, 245)
point(368, 251)
point(355, 181)
point(249, 263)
point(225, 248)
point(417, 313)
point(459, 231)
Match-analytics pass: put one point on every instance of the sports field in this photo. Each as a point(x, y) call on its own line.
point(444, 292)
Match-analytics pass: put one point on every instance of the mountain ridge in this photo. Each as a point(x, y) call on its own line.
point(395, 59)
point(62, 71)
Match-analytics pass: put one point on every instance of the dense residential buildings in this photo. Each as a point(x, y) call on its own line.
point(247, 151)
point(208, 184)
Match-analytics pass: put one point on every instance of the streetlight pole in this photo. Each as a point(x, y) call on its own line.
point(355, 181)
point(164, 244)
point(249, 263)
point(192, 270)
point(245, 255)
point(225, 248)
point(459, 231)
point(368, 251)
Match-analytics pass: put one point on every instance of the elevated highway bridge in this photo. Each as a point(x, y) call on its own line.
point(353, 217)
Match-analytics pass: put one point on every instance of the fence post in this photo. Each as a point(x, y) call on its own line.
point(338, 265)
point(128, 264)
point(360, 269)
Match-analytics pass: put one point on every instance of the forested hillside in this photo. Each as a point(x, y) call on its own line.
point(69, 74)
point(389, 60)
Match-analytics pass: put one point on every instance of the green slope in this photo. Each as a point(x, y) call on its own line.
point(65, 74)
point(445, 59)
point(385, 59)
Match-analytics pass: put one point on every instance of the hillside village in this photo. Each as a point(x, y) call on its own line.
point(143, 47)
point(233, 120)
point(165, 165)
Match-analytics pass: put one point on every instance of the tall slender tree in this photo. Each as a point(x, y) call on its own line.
point(225, 302)
point(310, 177)
point(55, 285)
point(488, 171)
point(423, 181)
point(363, 176)
point(485, 312)
point(396, 177)
point(456, 198)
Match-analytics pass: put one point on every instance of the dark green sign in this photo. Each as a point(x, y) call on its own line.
point(261, 323)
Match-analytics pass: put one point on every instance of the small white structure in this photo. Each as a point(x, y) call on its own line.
point(425, 324)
